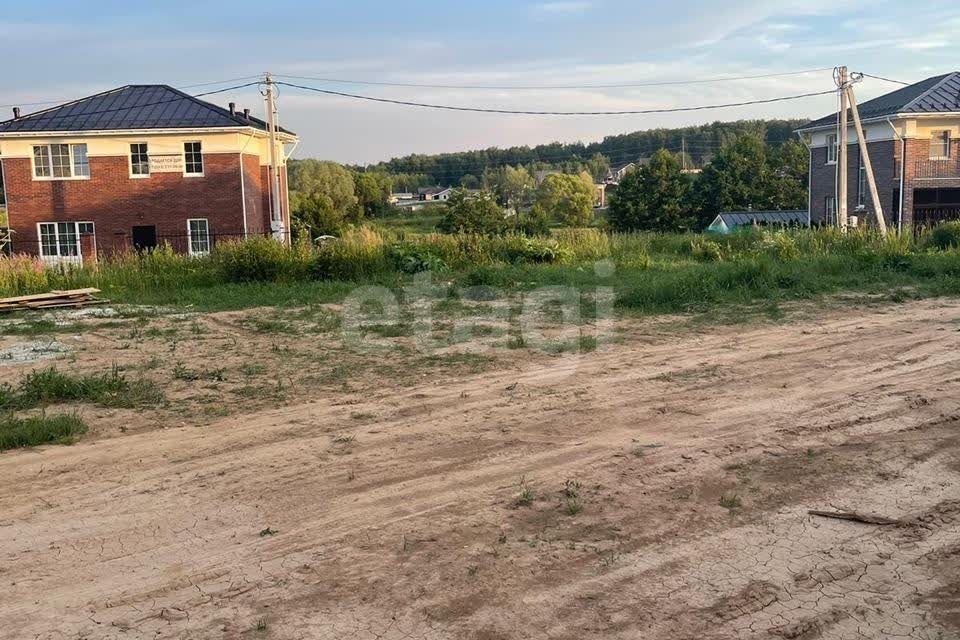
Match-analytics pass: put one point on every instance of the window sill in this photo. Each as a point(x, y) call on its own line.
point(51, 179)
point(139, 176)
point(939, 158)
point(193, 175)
point(830, 162)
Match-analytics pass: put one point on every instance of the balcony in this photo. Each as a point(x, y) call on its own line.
point(940, 169)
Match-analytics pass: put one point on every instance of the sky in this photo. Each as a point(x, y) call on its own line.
point(63, 49)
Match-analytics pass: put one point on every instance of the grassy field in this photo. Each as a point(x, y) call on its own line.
point(650, 273)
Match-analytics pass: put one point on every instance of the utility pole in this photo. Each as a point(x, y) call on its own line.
point(277, 223)
point(842, 79)
point(867, 167)
point(683, 151)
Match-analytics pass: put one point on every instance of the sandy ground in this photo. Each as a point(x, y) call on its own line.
point(657, 488)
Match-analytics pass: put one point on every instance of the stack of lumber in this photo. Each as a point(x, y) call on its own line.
point(52, 300)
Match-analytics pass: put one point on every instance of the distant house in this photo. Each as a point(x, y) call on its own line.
point(400, 197)
point(730, 220)
point(428, 194)
point(541, 174)
point(913, 137)
point(616, 174)
point(135, 167)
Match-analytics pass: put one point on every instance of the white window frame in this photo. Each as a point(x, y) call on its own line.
point(203, 165)
point(830, 213)
point(934, 139)
point(71, 150)
point(138, 176)
point(56, 234)
point(832, 148)
point(190, 249)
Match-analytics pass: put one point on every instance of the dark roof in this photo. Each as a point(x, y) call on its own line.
point(135, 106)
point(741, 218)
point(429, 191)
point(938, 94)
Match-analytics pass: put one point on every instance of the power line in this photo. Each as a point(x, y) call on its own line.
point(554, 113)
point(867, 75)
point(625, 85)
point(66, 100)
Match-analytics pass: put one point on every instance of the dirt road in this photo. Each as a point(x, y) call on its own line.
point(653, 489)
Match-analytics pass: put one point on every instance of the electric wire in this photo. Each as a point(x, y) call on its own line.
point(625, 85)
point(444, 107)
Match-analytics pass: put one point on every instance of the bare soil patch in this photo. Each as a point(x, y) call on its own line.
point(655, 488)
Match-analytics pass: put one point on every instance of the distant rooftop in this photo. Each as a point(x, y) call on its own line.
point(132, 107)
point(939, 94)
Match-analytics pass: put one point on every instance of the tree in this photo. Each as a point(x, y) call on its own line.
point(788, 176)
point(322, 195)
point(373, 193)
point(513, 186)
point(469, 213)
point(736, 179)
point(652, 198)
point(470, 181)
point(565, 198)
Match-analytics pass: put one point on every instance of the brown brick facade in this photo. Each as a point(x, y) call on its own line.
point(885, 157)
point(823, 182)
point(115, 202)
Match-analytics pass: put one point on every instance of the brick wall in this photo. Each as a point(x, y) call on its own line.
point(918, 153)
point(823, 181)
point(115, 202)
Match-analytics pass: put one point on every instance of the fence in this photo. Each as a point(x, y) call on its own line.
point(84, 245)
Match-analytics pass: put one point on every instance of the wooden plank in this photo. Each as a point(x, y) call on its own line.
point(48, 296)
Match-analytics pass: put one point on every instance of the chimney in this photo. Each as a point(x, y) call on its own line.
point(233, 108)
point(246, 113)
point(16, 113)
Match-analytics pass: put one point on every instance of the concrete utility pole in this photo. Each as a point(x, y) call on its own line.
point(277, 223)
point(865, 155)
point(842, 79)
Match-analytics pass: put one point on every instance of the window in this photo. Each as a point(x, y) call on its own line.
point(861, 184)
point(940, 145)
point(192, 159)
point(831, 148)
point(830, 209)
point(61, 240)
point(139, 161)
point(60, 161)
point(199, 232)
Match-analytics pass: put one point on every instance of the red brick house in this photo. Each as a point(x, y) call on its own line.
point(136, 167)
point(913, 137)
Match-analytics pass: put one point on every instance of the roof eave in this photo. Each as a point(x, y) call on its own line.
point(892, 116)
point(289, 137)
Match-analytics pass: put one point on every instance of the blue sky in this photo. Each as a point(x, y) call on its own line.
point(65, 49)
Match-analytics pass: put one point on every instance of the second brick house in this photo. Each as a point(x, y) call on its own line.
point(137, 167)
point(913, 137)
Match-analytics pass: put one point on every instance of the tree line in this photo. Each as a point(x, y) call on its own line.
point(746, 173)
point(466, 168)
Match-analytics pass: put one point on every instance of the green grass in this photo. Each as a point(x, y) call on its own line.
point(31, 431)
point(49, 386)
point(649, 273)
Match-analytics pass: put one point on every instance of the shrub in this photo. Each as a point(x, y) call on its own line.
point(516, 249)
point(262, 259)
point(705, 250)
point(945, 236)
point(358, 253)
point(411, 257)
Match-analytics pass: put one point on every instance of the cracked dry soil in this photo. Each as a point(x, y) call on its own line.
point(665, 495)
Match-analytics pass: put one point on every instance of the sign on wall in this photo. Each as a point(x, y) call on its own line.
point(166, 163)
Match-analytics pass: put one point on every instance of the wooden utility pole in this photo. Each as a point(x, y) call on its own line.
point(865, 155)
point(277, 222)
point(842, 80)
